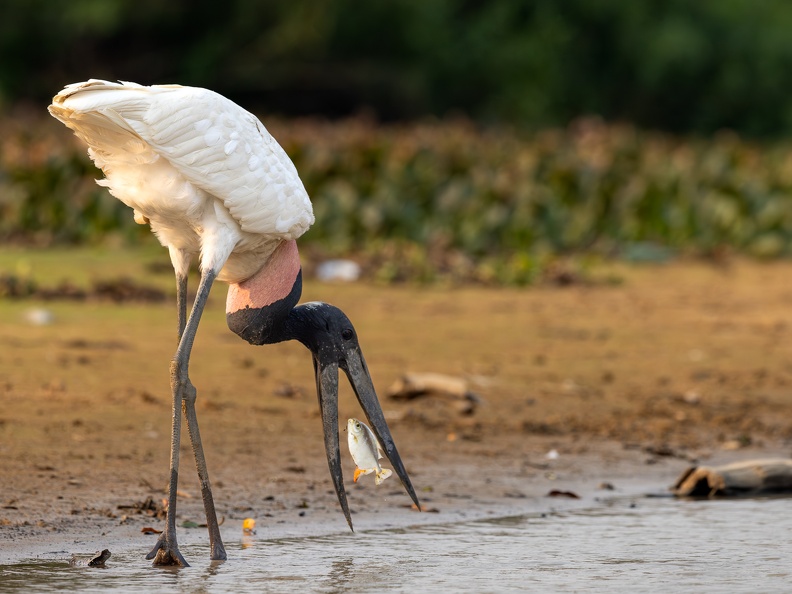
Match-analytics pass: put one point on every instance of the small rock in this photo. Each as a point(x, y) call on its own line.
point(560, 493)
point(691, 397)
point(90, 560)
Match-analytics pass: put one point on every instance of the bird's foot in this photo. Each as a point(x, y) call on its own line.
point(166, 552)
point(218, 552)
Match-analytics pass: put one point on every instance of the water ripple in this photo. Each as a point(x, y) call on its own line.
point(651, 544)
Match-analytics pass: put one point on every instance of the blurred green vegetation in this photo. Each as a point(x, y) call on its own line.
point(454, 200)
point(493, 163)
point(676, 65)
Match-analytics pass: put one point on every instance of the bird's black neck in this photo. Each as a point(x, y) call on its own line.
point(271, 323)
point(322, 328)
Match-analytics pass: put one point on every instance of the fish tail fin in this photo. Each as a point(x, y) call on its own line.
point(360, 472)
point(382, 475)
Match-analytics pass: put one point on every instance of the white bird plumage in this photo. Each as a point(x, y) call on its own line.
point(203, 172)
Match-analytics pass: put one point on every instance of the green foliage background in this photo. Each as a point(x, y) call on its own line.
point(446, 138)
point(454, 200)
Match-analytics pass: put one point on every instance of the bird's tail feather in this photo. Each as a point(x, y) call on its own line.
point(101, 96)
point(92, 110)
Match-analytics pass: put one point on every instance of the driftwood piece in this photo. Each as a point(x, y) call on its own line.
point(753, 477)
point(416, 385)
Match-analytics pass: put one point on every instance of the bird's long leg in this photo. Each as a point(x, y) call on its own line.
point(218, 552)
point(166, 551)
point(215, 541)
point(181, 304)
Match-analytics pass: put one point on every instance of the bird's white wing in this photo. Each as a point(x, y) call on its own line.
point(215, 144)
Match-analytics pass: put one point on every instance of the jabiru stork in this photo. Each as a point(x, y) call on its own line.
point(212, 183)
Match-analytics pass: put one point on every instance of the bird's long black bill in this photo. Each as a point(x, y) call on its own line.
point(357, 372)
point(327, 389)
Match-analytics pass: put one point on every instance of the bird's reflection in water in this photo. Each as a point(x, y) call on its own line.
point(211, 572)
point(342, 573)
point(347, 575)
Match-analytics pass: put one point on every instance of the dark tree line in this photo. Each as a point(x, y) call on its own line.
point(679, 65)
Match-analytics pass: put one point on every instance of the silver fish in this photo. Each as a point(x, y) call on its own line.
point(366, 451)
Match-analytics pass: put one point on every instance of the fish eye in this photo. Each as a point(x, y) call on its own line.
point(347, 334)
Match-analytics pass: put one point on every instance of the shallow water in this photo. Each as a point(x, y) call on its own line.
point(625, 544)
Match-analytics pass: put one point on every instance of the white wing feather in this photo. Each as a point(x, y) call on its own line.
point(215, 144)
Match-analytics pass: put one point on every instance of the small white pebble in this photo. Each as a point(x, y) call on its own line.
point(39, 316)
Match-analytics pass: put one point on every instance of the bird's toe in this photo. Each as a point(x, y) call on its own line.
point(166, 554)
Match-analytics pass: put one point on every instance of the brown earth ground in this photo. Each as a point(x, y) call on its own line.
point(627, 382)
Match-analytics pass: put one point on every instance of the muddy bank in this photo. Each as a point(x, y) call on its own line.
point(579, 386)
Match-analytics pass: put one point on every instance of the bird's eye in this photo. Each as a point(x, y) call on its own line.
point(347, 334)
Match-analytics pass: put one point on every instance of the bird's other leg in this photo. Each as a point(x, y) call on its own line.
point(181, 266)
point(181, 305)
point(218, 552)
point(188, 405)
point(166, 551)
